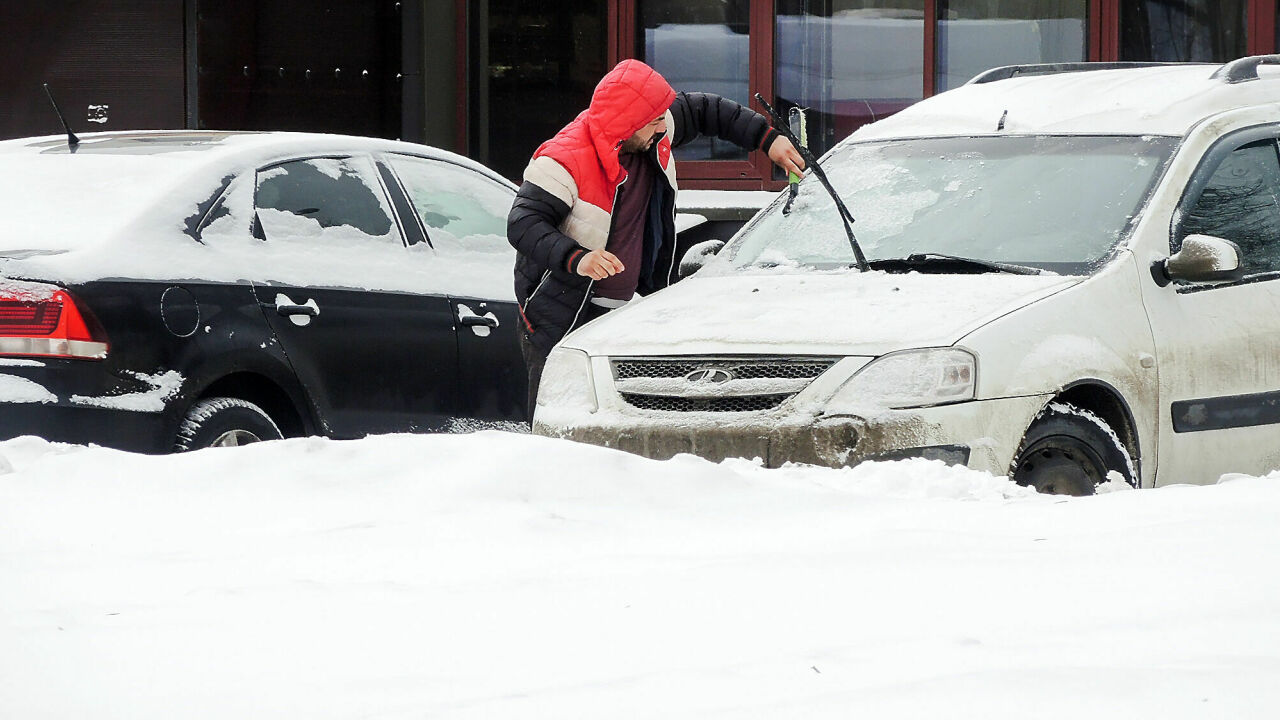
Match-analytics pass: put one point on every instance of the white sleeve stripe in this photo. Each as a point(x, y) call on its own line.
point(552, 177)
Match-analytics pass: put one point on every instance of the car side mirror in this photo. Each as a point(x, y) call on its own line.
point(698, 255)
point(1203, 258)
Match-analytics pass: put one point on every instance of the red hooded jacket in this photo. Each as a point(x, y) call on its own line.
point(580, 164)
point(565, 206)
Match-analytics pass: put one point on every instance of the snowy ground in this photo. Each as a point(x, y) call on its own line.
point(506, 576)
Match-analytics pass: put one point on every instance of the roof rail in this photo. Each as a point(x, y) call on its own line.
point(1009, 71)
point(1244, 69)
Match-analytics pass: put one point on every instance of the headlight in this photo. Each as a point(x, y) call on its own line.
point(915, 378)
point(567, 382)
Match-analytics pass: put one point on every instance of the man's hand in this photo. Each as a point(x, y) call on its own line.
point(784, 155)
point(599, 264)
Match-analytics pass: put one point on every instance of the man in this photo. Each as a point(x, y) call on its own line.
point(594, 222)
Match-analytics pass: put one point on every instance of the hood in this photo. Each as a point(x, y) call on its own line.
point(626, 99)
point(810, 313)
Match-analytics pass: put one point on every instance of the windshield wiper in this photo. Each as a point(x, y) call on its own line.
point(811, 163)
point(953, 263)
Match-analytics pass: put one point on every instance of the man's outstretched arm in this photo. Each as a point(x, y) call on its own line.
point(696, 114)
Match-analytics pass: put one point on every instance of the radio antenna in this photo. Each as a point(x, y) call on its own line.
point(73, 142)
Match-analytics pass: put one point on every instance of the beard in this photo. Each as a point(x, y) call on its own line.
point(634, 144)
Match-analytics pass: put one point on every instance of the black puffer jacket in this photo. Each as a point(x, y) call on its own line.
point(551, 294)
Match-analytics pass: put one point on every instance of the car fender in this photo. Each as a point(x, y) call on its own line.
point(264, 359)
point(1094, 332)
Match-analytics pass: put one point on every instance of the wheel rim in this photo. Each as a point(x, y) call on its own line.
point(235, 438)
point(1061, 466)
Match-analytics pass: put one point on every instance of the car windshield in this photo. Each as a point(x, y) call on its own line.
point(1046, 203)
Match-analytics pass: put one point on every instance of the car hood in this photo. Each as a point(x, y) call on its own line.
point(811, 313)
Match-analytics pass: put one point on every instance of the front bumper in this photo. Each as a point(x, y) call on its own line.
point(981, 434)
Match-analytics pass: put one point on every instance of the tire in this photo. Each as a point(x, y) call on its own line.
point(224, 422)
point(1070, 451)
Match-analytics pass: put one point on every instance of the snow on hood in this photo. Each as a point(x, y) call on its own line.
point(844, 313)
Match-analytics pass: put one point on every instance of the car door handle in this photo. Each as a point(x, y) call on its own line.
point(288, 310)
point(474, 320)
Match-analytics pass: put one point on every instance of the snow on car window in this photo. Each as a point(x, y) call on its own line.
point(1058, 203)
point(347, 258)
point(328, 167)
point(75, 218)
point(328, 200)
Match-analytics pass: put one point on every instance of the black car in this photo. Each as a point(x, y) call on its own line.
point(173, 290)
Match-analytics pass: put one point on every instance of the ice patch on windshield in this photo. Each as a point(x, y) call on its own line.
point(1054, 203)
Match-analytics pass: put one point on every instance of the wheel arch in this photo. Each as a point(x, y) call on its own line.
point(266, 394)
point(1105, 401)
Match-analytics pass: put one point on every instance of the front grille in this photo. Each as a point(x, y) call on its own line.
point(744, 403)
point(747, 369)
point(749, 384)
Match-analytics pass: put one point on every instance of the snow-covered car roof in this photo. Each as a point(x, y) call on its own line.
point(1156, 100)
point(65, 214)
point(218, 148)
point(52, 198)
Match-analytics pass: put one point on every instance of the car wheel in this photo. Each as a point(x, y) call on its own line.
point(224, 422)
point(1069, 451)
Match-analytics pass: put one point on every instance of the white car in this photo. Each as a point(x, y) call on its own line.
point(1072, 277)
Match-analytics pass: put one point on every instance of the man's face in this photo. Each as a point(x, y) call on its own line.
point(643, 138)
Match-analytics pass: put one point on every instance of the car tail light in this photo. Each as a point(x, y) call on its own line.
point(47, 327)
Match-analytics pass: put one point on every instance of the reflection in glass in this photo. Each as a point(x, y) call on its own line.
point(534, 64)
point(1240, 203)
point(849, 61)
point(465, 216)
point(1182, 30)
point(700, 46)
point(976, 35)
point(459, 207)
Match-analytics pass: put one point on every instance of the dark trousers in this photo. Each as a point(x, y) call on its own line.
point(534, 359)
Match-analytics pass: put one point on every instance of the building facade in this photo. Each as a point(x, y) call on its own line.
point(530, 64)
point(493, 78)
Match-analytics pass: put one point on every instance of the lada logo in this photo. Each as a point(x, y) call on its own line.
point(709, 376)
